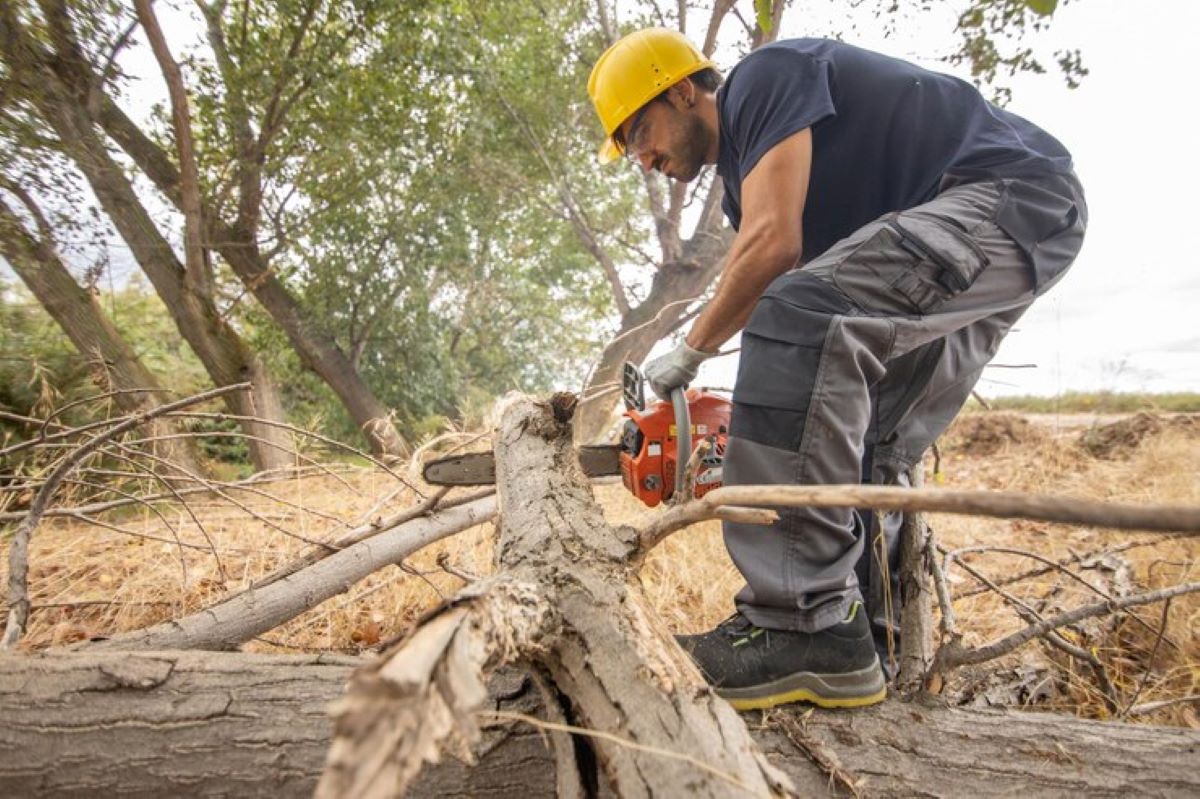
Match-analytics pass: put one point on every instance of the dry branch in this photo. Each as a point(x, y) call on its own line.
point(953, 654)
point(1000, 504)
point(243, 616)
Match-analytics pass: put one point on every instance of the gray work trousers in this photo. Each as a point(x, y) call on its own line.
point(854, 363)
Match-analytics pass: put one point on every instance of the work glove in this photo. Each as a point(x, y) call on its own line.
point(677, 368)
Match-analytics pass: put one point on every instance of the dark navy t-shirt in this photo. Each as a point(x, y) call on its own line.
point(885, 133)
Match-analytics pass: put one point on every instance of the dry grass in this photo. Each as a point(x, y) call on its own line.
point(104, 582)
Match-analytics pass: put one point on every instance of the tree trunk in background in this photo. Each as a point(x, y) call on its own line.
point(224, 355)
point(640, 330)
point(317, 350)
point(114, 363)
point(209, 724)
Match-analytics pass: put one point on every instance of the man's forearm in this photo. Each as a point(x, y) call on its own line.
point(754, 261)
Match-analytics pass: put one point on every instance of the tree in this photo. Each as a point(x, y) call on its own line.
point(54, 101)
point(115, 367)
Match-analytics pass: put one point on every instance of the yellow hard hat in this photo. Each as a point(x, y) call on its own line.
point(635, 70)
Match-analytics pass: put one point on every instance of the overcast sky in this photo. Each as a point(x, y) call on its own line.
point(1127, 316)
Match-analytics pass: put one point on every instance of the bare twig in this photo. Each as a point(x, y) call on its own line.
point(1028, 614)
point(661, 525)
point(361, 533)
point(953, 655)
point(952, 555)
point(817, 752)
point(1075, 558)
point(1150, 707)
point(302, 432)
point(443, 561)
point(1162, 631)
point(946, 605)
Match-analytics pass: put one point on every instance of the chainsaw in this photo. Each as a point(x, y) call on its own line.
point(648, 457)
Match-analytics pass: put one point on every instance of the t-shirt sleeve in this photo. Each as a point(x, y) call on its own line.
point(772, 94)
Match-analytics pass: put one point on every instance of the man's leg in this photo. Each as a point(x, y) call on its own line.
point(819, 341)
point(916, 400)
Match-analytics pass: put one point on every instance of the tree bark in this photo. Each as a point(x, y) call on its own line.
point(115, 365)
point(916, 596)
point(226, 358)
point(215, 724)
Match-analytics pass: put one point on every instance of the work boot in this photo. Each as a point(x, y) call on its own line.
point(754, 667)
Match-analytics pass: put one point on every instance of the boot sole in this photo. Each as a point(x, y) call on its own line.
point(850, 689)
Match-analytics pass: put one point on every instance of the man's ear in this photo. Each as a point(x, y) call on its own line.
point(682, 94)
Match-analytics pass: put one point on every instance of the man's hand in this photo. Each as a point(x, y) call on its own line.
point(677, 368)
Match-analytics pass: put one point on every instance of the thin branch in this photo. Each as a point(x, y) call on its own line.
point(101, 507)
point(619, 741)
point(1029, 615)
point(956, 554)
point(1162, 632)
point(360, 533)
point(662, 312)
point(945, 604)
point(220, 417)
point(1084, 562)
point(1150, 707)
point(954, 655)
point(661, 525)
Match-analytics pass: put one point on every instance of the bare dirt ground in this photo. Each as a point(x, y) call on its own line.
point(89, 581)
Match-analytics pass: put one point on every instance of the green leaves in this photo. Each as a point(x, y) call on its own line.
point(762, 12)
point(1043, 7)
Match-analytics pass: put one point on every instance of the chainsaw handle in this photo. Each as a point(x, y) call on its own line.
point(683, 439)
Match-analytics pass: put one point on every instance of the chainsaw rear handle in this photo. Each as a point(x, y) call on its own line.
point(683, 439)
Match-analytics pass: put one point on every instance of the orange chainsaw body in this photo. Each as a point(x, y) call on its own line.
point(649, 447)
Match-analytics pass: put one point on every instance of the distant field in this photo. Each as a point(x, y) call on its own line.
point(1098, 402)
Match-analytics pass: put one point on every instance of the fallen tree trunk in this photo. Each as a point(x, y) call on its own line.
point(208, 724)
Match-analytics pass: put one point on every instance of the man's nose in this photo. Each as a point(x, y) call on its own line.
point(646, 161)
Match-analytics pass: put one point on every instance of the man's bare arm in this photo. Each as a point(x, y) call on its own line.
point(767, 245)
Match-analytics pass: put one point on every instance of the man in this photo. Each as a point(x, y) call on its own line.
point(891, 226)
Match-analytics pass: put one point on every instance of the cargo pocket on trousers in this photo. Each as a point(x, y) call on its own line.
point(781, 355)
point(911, 265)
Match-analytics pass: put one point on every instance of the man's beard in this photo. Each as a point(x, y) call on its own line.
point(693, 144)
